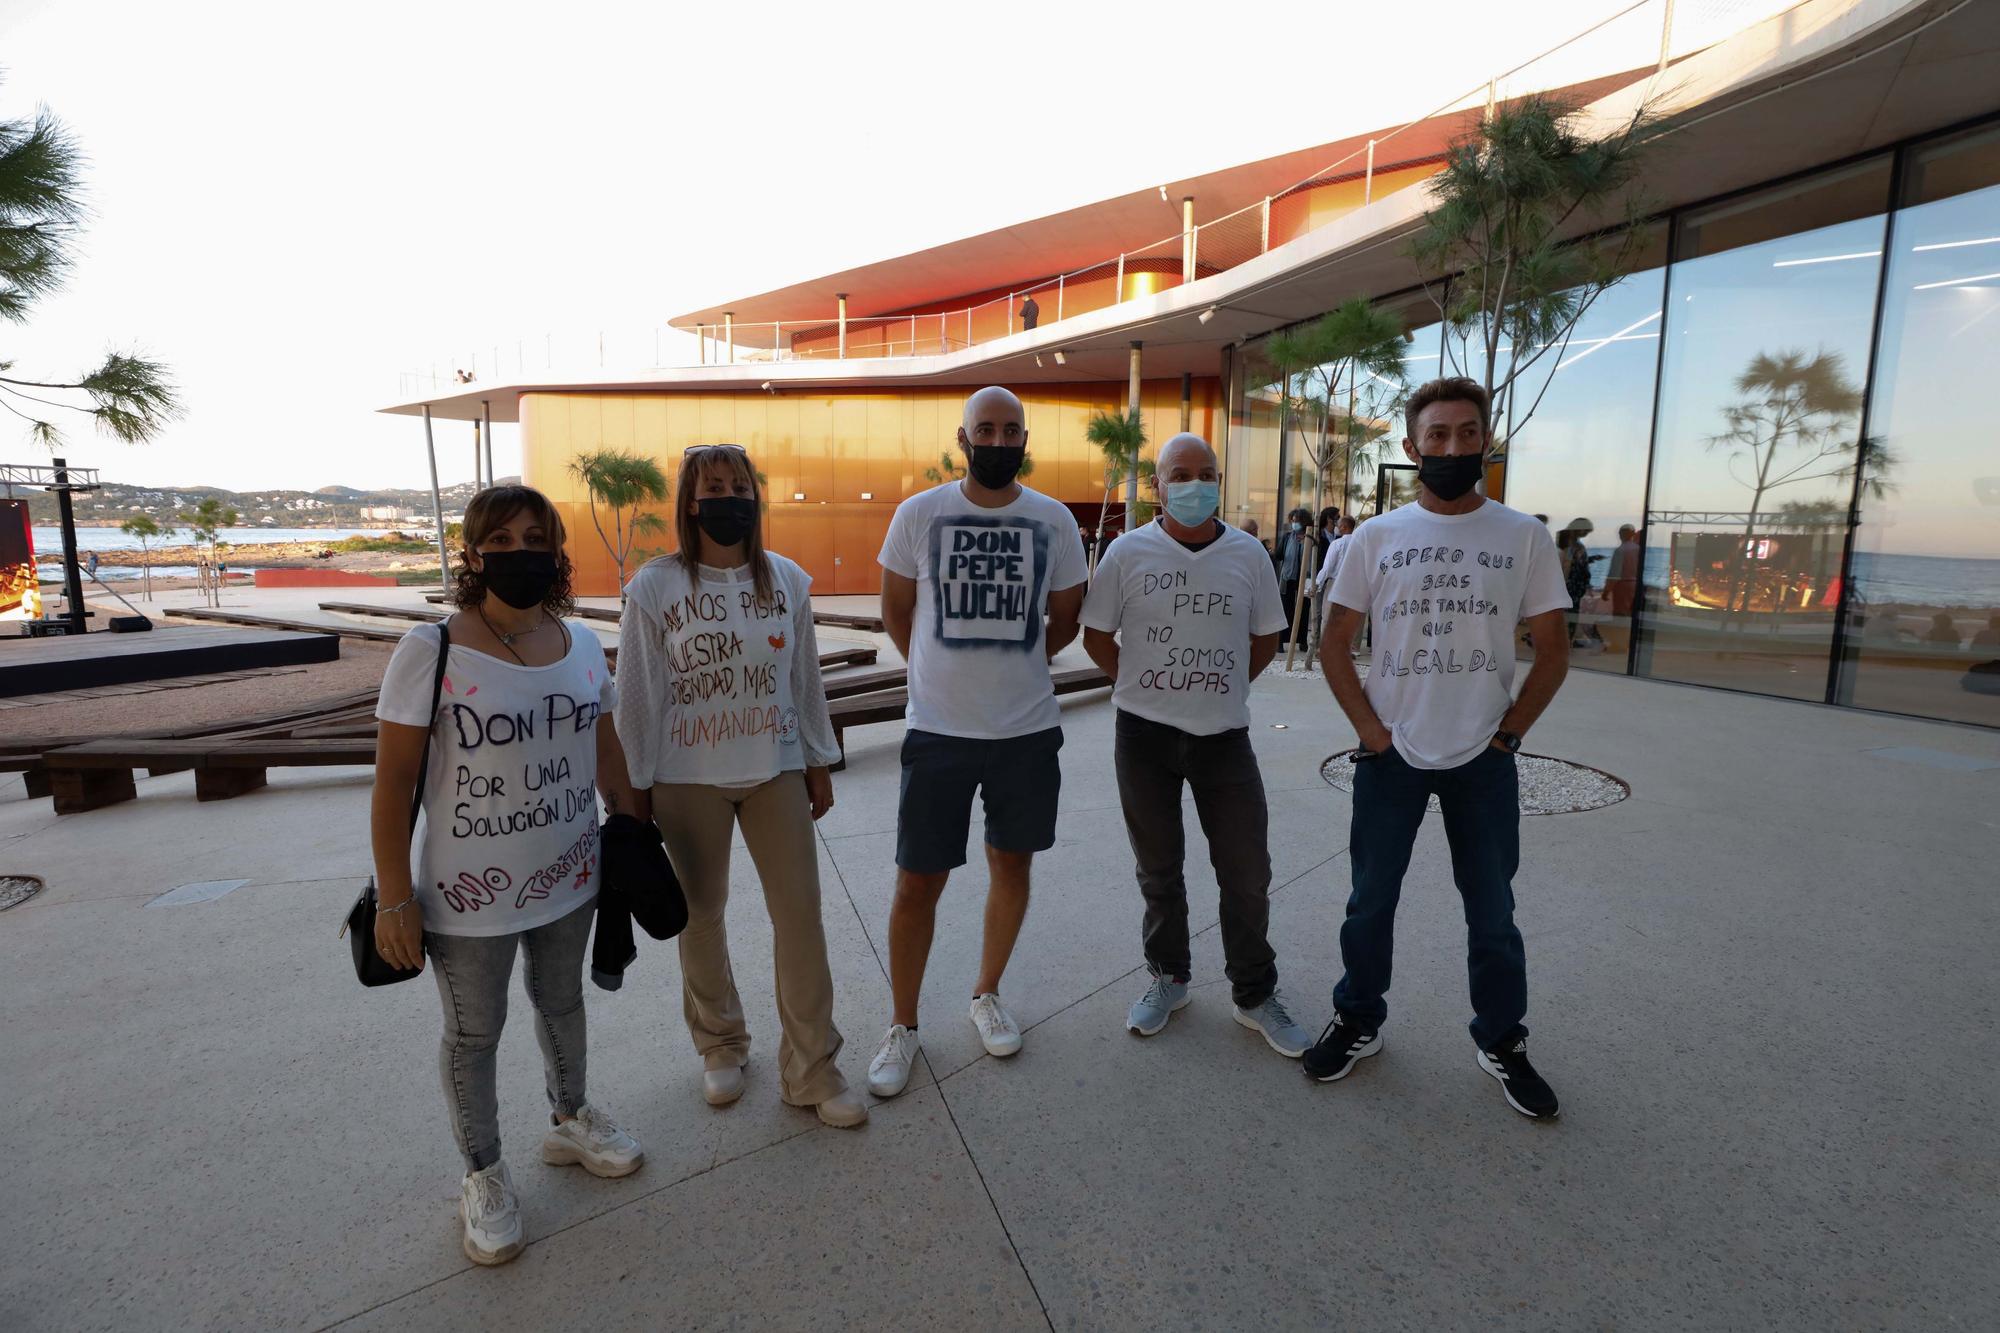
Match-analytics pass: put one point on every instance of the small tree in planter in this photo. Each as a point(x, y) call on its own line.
point(621, 482)
point(1119, 436)
point(1509, 286)
point(148, 530)
point(205, 522)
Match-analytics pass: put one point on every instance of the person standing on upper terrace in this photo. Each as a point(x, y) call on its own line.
point(1193, 606)
point(1444, 581)
point(970, 570)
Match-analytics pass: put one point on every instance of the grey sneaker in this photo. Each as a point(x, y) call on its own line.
point(1279, 1030)
point(1149, 1013)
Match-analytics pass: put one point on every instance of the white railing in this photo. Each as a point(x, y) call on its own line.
point(1624, 39)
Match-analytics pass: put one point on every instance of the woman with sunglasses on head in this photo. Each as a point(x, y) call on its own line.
point(523, 747)
point(724, 717)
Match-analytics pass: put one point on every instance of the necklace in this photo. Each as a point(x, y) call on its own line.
point(507, 640)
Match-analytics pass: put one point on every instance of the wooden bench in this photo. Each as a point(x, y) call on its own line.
point(162, 751)
point(859, 710)
point(99, 773)
point(840, 657)
point(360, 632)
point(872, 624)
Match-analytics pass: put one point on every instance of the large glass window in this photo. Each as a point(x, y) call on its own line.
point(1580, 459)
point(1923, 628)
point(1769, 315)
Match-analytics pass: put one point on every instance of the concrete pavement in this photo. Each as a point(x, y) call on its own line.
point(1763, 986)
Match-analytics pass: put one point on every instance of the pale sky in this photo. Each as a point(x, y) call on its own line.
point(291, 213)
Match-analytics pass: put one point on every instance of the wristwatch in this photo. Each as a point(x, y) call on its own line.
point(1508, 741)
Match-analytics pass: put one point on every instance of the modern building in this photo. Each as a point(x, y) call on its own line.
point(1781, 400)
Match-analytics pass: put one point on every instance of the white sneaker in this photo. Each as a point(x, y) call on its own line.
point(491, 1212)
point(997, 1029)
point(593, 1141)
point(844, 1110)
point(889, 1071)
point(719, 1087)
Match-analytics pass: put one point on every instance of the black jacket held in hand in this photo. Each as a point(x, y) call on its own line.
point(638, 885)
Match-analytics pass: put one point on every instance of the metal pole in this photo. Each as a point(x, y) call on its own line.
point(487, 408)
point(1120, 294)
point(1187, 400)
point(1059, 297)
point(475, 453)
point(1667, 40)
point(72, 577)
point(1010, 312)
point(729, 333)
point(1368, 181)
point(840, 351)
point(968, 326)
point(1187, 238)
point(1132, 407)
point(437, 502)
point(913, 335)
point(1265, 240)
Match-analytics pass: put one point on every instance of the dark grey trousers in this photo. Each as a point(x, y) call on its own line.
point(1154, 761)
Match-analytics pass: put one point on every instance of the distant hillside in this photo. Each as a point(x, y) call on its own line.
point(327, 507)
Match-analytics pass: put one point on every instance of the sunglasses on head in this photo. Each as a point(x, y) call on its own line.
point(704, 448)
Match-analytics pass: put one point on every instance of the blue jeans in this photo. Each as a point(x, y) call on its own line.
point(1482, 822)
point(472, 974)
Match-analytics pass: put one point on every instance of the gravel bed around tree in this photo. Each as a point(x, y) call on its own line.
point(1548, 786)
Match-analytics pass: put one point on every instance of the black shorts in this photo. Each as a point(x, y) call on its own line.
point(1018, 778)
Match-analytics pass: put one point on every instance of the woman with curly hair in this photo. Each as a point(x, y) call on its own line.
point(521, 747)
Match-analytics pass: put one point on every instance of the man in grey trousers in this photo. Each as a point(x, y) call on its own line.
point(1183, 615)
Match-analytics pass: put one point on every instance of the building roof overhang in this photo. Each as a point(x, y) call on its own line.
point(1826, 80)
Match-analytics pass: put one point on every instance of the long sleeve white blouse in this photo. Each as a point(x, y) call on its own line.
point(714, 687)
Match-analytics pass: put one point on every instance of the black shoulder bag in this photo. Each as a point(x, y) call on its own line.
point(370, 968)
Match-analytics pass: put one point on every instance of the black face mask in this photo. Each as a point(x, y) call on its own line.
point(727, 519)
point(994, 465)
point(1451, 475)
point(519, 578)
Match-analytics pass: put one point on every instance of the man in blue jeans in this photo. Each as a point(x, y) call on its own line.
point(1443, 583)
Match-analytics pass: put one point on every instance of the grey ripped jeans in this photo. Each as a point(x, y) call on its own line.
point(472, 976)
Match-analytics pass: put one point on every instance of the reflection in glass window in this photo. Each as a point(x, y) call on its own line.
point(1923, 629)
point(1580, 459)
point(1769, 314)
point(1251, 466)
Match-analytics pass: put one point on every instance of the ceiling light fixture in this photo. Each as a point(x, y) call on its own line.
point(1163, 195)
point(1953, 245)
point(1955, 282)
point(1061, 359)
point(1205, 316)
point(1038, 360)
point(1826, 259)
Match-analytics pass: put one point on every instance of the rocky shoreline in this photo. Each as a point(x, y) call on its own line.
point(278, 555)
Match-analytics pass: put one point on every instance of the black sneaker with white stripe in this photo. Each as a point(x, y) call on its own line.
point(1340, 1047)
point(1527, 1091)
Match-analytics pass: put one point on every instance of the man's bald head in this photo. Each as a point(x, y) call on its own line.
point(1186, 457)
point(992, 410)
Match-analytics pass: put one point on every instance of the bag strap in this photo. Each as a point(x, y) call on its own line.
point(437, 697)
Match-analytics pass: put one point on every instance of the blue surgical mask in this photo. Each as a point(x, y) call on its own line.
point(1192, 503)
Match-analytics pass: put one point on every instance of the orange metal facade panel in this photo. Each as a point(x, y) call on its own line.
point(832, 446)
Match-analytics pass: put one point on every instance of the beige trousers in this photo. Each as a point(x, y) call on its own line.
point(697, 820)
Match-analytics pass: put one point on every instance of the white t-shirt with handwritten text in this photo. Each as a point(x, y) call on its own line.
point(1184, 621)
point(978, 664)
point(1444, 593)
point(510, 819)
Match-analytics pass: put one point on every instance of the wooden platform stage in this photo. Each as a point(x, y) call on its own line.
point(74, 662)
